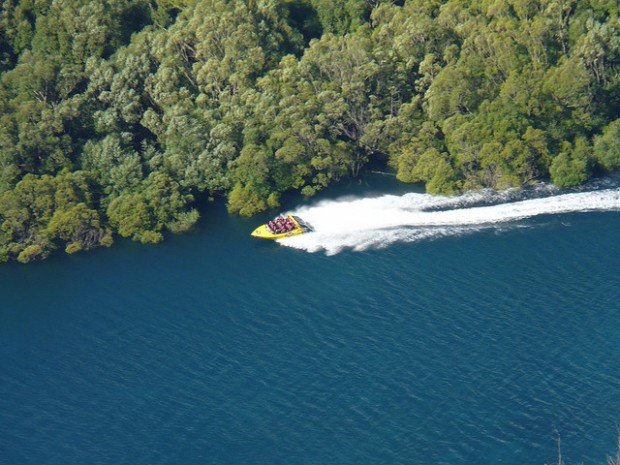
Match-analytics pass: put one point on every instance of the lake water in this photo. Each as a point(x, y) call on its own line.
point(467, 337)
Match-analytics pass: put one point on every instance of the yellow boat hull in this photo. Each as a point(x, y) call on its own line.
point(263, 231)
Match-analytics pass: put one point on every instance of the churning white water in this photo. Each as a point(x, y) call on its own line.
point(361, 223)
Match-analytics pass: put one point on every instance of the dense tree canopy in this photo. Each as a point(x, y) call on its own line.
point(116, 114)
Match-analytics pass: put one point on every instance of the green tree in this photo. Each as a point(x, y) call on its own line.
point(78, 226)
point(130, 216)
point(607, 146)
point(570, 167)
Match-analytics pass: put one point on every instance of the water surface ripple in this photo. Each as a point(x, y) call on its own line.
point(213, 348)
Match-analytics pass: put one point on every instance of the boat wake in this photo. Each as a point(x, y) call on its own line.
point(362, 223)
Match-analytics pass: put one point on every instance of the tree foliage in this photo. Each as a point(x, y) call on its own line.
point(116, 114)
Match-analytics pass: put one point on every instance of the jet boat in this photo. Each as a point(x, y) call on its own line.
point(281, 227)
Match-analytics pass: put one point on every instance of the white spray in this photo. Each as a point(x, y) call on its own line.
point(377, 222)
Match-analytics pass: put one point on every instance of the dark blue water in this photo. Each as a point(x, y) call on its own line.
point(213, 348)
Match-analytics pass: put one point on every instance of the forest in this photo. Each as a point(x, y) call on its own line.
point(117, 115)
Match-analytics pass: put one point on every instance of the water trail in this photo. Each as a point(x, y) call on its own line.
point(361, 223)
